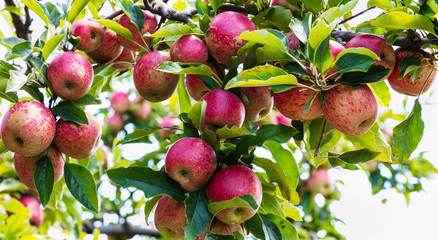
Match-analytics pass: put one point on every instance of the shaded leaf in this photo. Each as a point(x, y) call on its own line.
point(81, 184)
point(246, 200)
point(358, 156)
point(68, 111)
point(198, 217)
point(44, 178)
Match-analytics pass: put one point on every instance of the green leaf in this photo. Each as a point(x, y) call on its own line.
point(374, 74)
point(20, 50)
point(183, 96)
point(246, 201)
point(116, 28)
point(254, 225)
point(267, 75)
point(197, 113)
point(9, 96)
point(197, 214)
point(51, 44)
point(44, 178)
point(355, 59)
point(264, 37)
point(322, 56)
point(185, 68)
point(358, 156)
point(408, 134)
point(287, 230)
point(286, 160)
point(215, 4)
point(76, 9)
point(301, 28)
point(52, 12)
point(383, 4)
point(138, 135)
point(149, 206)
point(271, 230)
point(408, 61)
point(400, 21)
point(16, 81)
point(270, 204)
point(147, 180)
point(134, 13)
point(276, 174)
point(35, 7)
point(80, 182)
point(174, 29)
point(318, 35)
point(68, 111)
point(234, 131)
point(381, 90)
point(87, 99)
point(279, 17)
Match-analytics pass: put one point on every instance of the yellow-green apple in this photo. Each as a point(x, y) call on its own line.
point(416, 83)
point(109, 50)
point(126, 60)
point(231, 182)
point(320, 182)
point(119, 102)
point(218, 227)
point(191, 162)
point(115, 123)
point(291, 103)
point(78, 140)
point(90, 32)
point(259, 104)
point(28, 128)
point(168, 121)
point(195, 87)
point(222, 38)
point(149, 26)
point(37, 214)
point(25, 166)
point(169, 218)
point(152, 84)
point(189, 49)
point(350, 109)
point(140, 109)
point(292, 41)
point(377, 45)
point(223, 108)
point(70, 75)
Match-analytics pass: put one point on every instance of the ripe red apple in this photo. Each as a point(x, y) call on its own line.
point(218, 227)
point(141, 109)
point(115, 123)
point(28, 128)
point(78, 140)
point(189, 49)
point(126, 60)
point(291, 103)
point(90, 32)
point(377, 45)
point(222, 38)
point(149, 25)
point(260, 102)
point(70, 75)
point(404, 85)
point(169, 218)
point(292, 40)
point(351, 110)
point(168, 122)
point(320, 182)
point(154, 85)
point(231, 182)
point(195, 87)
point(284, 120)
point(120, 102)
point(37, 214)
point(109, 50)
point(25, 166)
point(223, 108)
point(191, 162)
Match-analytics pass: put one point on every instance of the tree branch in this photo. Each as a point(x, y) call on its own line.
point(121, 230)
point(160, 8)
point(21, 25)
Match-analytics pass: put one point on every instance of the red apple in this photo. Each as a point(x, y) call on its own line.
point(109, 50)
point(141, 109)
point(70, 75)
point(320, 182)
point(169, 218)
point(191, 162)
point(377, 45)
point(223, 108)
point(406, 85)
point(293, 41)
point(28, 128)
point(291, 103)
point(120, 102)
point(154, 85)
point(284, 120)
point(189, 49)
point(195, 87)
point(351, 110)
point(168, 122)
point(218, 227)
point(149, 25)
point(222, 38)
point(231, 182)
point(126, 60)
point(25, 166)
point(37, 214)
point(115, 123)
point(78, 140)
point(90, 32)
point(260, 102)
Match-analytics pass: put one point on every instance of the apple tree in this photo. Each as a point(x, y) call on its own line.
point(234, 111)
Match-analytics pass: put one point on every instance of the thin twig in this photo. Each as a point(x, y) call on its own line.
point(357, 15)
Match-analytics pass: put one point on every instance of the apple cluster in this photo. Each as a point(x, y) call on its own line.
point(192, 163)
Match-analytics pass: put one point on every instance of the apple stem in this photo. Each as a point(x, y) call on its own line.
point(318, 148)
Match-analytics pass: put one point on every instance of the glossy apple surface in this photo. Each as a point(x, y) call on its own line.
point(169, 218)
point(259, 104)
point(109, 50)
point(90, 32)
point(189, 49)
